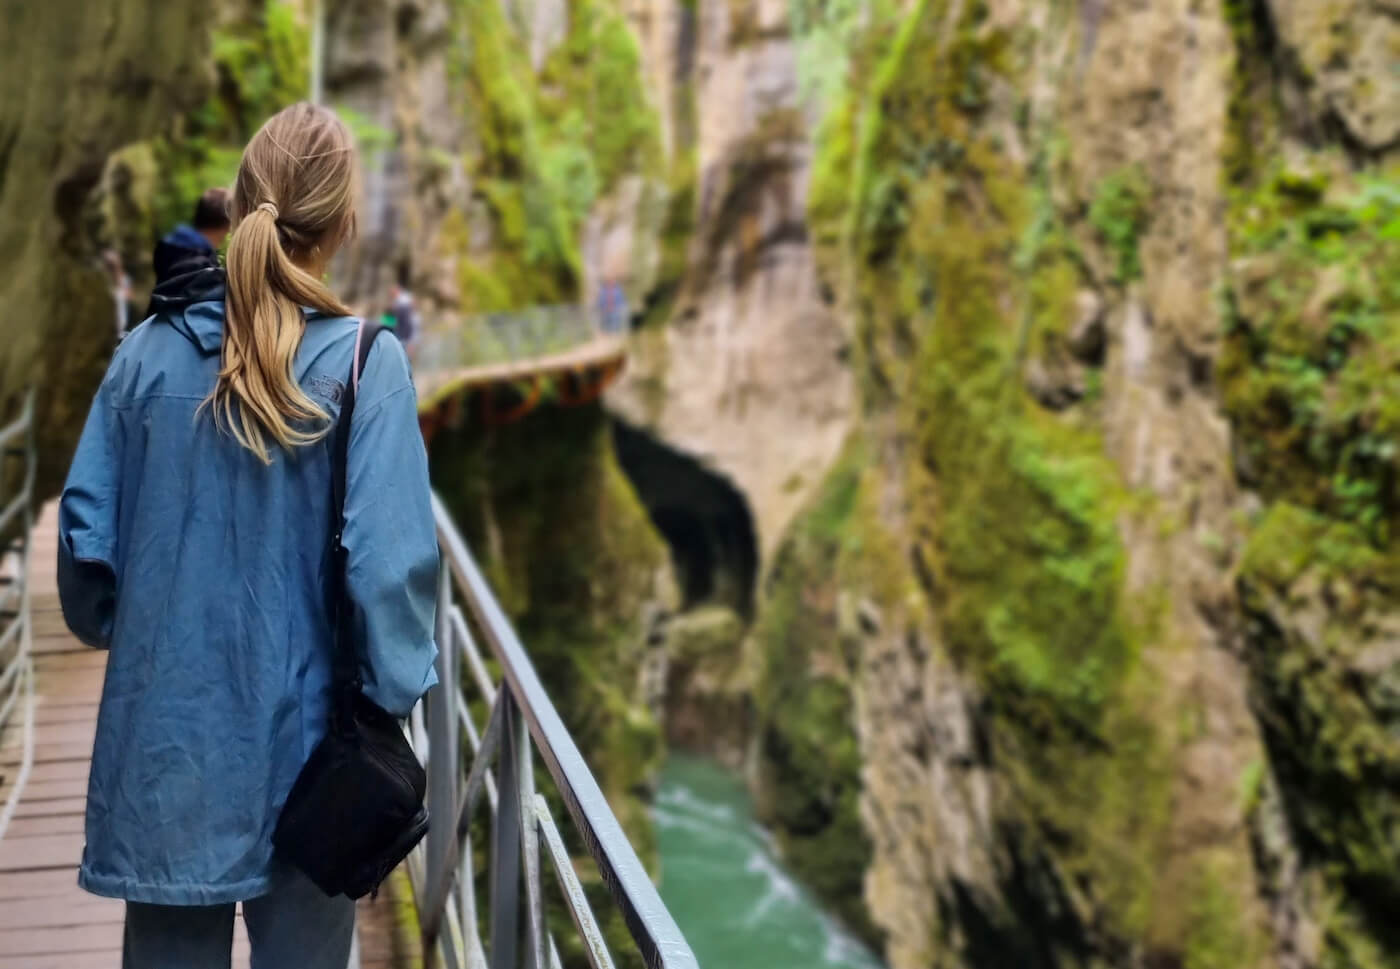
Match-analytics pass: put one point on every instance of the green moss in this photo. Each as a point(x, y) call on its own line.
point(1309, 369)
point(955, 264)
point(548, 146)
point(592, 84)
point(811, 755)
point(1119, 212)
point(1251, 135)
point(1351, 943)
point(1026, 541)
point(261, 61)
point(1312, 587)
point(1219, 933)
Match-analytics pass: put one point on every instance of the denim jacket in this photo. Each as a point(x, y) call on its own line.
point(205, 574)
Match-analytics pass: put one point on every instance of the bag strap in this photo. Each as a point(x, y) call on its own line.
point(345, 664)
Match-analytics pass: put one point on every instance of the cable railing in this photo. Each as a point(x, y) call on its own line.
point(497, 763)
point(18, 458)
point(486, 339)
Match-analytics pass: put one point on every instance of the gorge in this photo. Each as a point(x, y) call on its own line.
point(1003, 478)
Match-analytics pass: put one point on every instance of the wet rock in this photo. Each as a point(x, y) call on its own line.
point(1054, 384)
point(1346, 50)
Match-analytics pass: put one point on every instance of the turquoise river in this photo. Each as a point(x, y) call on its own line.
point(725, 885)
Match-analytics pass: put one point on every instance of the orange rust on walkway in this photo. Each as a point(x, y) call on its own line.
point(594, 365)
point(46, 921)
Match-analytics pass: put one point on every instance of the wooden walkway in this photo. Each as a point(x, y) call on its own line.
point(436, 385)
point(46, 921)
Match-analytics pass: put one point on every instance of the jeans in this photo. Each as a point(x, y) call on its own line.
point(294, 927)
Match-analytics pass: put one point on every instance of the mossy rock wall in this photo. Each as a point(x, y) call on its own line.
point(1118, 367)
point(546, 144)
point(81, 79)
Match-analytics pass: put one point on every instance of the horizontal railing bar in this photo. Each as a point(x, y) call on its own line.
point(658, 938)
point(16, 691)
point(13, 509)
point(12, 670)
point(579, 909)
point(19, 425)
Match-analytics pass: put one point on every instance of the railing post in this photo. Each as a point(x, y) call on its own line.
point(505, 841)
point(442, 742)
point(529, 844)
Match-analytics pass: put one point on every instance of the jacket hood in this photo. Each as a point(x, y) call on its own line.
point(193, 303)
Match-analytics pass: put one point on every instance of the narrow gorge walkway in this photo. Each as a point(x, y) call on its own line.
point(46, 921)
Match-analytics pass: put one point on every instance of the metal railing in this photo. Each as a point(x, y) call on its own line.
point(538, 331)
point(16, 633)
point(524, 836)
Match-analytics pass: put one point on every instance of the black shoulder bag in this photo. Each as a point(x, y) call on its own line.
point(356, 809)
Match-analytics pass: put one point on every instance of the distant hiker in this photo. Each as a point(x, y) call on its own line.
point(403, 315)
point(612, 307)
point(201, 542)
point(195, 245)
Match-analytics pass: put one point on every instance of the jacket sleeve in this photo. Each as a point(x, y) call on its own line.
point(87, 527)
point(390, 538)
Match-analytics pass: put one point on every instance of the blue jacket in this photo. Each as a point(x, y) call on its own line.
point(205, 573)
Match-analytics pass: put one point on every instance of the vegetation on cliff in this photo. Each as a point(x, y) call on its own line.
point(574, 561)
point(1308, 378)
point(809, 756)
point(548, 145)
point(960, 261)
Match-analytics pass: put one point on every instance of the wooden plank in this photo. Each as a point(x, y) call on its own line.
point(92, 937)
point(56, 789)
point(72, 750)
point(43, 913)
point(59, 770)
point(42, 851)
point(46, 714)
point(33, 884)
point(69, 805)
point(101, 959)
point(43, 824)
point(72, 731)
point(59, 662)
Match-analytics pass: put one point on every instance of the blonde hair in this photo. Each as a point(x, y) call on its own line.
point(293, 202)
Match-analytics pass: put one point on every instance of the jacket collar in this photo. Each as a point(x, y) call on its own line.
point(193, 303)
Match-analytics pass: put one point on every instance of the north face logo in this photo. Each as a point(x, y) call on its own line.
point(327, 387)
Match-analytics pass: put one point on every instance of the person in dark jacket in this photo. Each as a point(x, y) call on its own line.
point(194, 245)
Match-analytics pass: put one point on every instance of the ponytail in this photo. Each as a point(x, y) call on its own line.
point(256, 396)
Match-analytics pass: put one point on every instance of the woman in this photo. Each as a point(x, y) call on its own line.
point(194, 542)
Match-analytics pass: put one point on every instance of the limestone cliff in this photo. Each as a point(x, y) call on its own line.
point(740, 363)
point(1112, 275)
